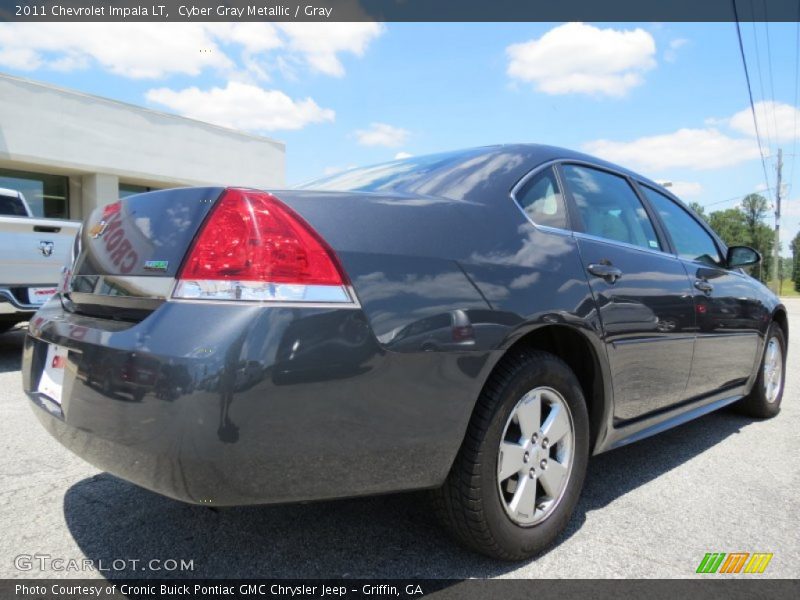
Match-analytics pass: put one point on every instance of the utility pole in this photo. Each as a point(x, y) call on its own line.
point(776, 252)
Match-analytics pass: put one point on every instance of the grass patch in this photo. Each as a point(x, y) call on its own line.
point(787, 291)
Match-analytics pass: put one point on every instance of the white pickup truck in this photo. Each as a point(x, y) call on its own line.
point(32, 253)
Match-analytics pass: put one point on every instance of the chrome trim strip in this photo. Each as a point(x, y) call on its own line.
point(136, 286)
point(349, 300)
point(647, 340)
point(728, 334)
point(597, 238)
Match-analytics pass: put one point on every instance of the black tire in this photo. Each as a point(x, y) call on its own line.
point(469, 502)
point(9, 324)
point(756, 403)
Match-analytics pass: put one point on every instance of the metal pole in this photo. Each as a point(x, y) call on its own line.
point(776, 251)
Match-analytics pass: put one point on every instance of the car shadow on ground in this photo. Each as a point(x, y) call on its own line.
point(389, 536)
point(11, 349)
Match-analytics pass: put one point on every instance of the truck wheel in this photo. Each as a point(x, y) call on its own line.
point(519, 473)
point(6, 325)
point(765, 398)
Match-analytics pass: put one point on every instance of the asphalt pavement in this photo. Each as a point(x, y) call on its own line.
point(722, 483)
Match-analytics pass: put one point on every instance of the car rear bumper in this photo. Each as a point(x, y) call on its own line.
point(11, 302)
point(230, 405)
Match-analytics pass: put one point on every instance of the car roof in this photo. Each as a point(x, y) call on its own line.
point(473, 174)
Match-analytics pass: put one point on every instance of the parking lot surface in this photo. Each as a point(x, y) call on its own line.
point(722, 483)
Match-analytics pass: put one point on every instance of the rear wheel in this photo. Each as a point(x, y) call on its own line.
point(519, 473)
point(765, 398)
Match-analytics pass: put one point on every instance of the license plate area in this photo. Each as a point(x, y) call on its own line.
point(51, 383)
point(40, 295)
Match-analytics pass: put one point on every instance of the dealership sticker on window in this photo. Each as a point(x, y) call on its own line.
point(52, 381)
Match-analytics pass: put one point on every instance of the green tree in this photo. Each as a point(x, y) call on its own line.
point(755, 208)
point(698, 208)
point(746, 226)
point(731, 226)
point(796, 262)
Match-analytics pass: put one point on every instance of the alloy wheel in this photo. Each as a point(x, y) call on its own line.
point(772, 376)
point(536, 454)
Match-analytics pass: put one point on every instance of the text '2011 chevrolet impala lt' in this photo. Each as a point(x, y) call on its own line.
point(477, 323)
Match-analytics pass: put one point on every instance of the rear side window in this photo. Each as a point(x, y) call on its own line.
point(691, 241)
point(609, 208)
point(12, 206)
point(542, 201)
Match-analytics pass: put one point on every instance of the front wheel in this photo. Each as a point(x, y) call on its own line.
point(765, 398)
point(519, 473)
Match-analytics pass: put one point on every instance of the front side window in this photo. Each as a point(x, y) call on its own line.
point(609, 208)
point(691, 241)
point(542, 201)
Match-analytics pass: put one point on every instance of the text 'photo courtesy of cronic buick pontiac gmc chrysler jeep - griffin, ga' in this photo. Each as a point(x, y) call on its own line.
point(476, 323)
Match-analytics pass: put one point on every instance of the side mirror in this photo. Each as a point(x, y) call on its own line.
point(742, 256)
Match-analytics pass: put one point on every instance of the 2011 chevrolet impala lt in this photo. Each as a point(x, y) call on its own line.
point(476, 322)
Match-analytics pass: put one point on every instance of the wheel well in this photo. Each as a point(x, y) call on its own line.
point(780, 318)
point(575, 350)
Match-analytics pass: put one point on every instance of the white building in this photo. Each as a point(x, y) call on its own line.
point(69, 152)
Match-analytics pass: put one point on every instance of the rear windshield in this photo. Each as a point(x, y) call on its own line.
point(12, 206)
point(415, 175)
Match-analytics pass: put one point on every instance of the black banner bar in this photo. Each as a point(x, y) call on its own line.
point(712, 586)
point(397, 10)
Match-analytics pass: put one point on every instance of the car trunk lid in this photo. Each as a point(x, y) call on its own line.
point(131, 250)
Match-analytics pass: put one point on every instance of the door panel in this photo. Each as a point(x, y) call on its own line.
point(729, 316)
point(728, 309)
point(648, 323)
point(642, 293)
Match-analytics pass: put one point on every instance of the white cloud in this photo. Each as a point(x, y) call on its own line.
point(381, 134)
point(697, 149)
point(242, 106)
point(777, 118)
point(135, 50)
point(402, 155)
point(671, 53)
point(320, 43)
point(580, 58)
point(253, 37)
point(686, 189)
point(154, 50)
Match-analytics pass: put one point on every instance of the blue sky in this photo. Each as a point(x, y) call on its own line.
point(668, 99)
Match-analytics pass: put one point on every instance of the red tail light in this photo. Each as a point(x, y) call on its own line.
point(254, 247)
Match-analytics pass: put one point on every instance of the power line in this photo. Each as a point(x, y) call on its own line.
point(759, 71)
point(750, 92)
point(736, 197)
point(796, 97)
point(769, 72)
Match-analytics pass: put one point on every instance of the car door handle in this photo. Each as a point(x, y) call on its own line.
point(608, 272)
point(703, 286)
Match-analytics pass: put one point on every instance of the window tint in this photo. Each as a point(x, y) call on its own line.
point(691, 240)
point(542, 201)
point(609, 207)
